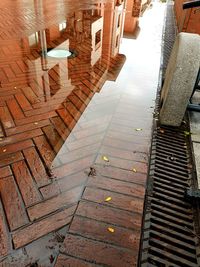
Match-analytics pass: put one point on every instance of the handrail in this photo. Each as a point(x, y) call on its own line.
point(191, 4)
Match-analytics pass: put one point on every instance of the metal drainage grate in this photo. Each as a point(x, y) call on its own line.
point(168, 237)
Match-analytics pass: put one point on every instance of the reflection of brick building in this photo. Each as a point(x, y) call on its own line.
point(187, 20)
point(42, 100)
point(134, 9)
point(59, 81)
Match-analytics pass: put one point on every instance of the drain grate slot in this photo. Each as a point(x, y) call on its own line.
point(173, 242)
point(170, 258)
point(174, 234)
point(171, 212)
point(171, 248)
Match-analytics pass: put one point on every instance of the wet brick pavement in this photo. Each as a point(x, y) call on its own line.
point(75, 133)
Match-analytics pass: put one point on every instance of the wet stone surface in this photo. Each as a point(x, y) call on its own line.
point(75, 132)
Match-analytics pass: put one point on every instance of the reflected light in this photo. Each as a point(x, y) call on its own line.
point(58, 53)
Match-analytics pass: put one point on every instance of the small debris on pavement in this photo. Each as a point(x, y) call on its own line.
point(110, 229)
point(92, 172)
point(108, 199)
point(105, 158)
point(187, 133)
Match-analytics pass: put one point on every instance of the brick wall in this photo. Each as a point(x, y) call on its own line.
point(187, 20)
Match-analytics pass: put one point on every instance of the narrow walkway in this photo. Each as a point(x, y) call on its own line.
point(75, 135)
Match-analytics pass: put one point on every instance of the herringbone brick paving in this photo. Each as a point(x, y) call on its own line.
point(67, 143)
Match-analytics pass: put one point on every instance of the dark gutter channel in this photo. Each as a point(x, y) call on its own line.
point(170, 229)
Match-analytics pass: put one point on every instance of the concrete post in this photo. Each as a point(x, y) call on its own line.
point(180, 78)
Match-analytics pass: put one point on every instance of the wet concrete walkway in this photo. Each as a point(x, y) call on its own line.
point(75, 133)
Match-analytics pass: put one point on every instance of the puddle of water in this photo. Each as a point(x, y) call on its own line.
point(72, 107)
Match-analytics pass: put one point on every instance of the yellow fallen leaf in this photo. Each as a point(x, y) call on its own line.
point(134, 170)
point(187, 133)
point(138, 129)
point(110, 229)
point(108, 199)
point(105, 158)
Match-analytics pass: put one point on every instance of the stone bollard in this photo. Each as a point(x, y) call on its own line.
point(180, 78)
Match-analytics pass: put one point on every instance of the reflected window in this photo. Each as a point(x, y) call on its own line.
point(117, 41)
point(62, 26)
point(98, 39)
point(33, 39)
point(119, 20)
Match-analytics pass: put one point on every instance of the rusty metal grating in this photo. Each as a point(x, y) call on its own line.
point(169, 237)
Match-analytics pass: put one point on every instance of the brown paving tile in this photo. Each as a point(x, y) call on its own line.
point(30, 95)
point(67, 261)
point(83, 142)
point(5, 171)
point(98, 252)
point(117, 200)
point(79, 153)
point(82, 133)
point(11, 148)
point(77, 102)
point(6, 118)
point(36, 118)
point(99, 231)
point(43, 109)
point(21, 136)
point(9, 159)
point(36, 166)
point(9, 73)
point(12, 202)
point(64, 184)
point(45, 150)
point(122, 187)
point(122, 144)
point(124, 154)
point(15, 109)
point(50, 190)
point(129, 137)
point(109, 215)
point(26, 184)
point(60, 127)
point(123, 164)
point(27, 127)
point(43, 227)
point(67, 118)
point(23, 102)
point(73, 167)
point(73, 110)
point(62, 200)
point(5, 244)
point(96, 121)
point(53, 137)
point(120, 174)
